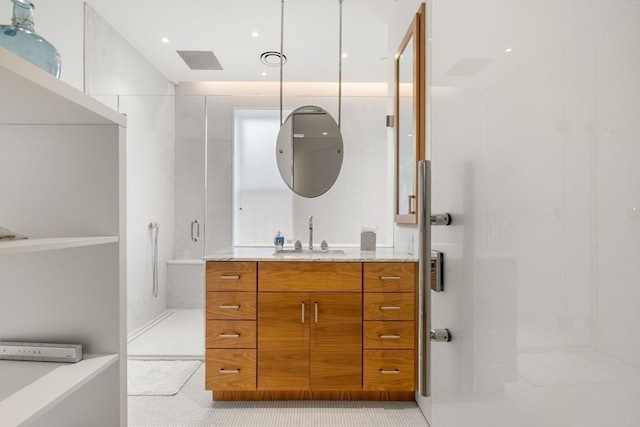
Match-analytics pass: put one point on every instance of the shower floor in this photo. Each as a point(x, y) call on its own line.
point(175, 334)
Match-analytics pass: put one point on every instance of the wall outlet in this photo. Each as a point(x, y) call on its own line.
point(410, 245)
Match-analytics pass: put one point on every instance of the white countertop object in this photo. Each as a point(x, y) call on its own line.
point(238, 253)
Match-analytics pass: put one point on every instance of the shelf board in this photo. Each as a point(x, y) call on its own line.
point(33, 96)
point(44, 384)
point(49, 244)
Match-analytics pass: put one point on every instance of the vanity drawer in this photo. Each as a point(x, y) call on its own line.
point(389, 370)
point(393, 335)
point(310, 276)
point(230, 370)
point(231, 334)
point(389, 306)
point(389, 276)
point(231, 305)
point(231, 276)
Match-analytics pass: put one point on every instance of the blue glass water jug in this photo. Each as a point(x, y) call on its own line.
point(21, 39)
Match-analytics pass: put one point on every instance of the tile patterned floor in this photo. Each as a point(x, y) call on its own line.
point(186, 331)
point(193, 406)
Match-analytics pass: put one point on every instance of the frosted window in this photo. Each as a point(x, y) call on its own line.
point(262, 201)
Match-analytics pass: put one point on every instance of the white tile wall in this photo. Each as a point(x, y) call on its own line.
point(114, 68)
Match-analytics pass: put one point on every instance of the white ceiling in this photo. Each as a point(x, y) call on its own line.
point(311, 41)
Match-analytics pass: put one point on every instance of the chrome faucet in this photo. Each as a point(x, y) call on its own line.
point(310, 233)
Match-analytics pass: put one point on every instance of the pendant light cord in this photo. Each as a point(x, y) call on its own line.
point(340, 69)
point(339, 61)
point(281, 53)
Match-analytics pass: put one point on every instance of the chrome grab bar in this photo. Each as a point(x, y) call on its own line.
point(424, 275)
point(195, 225)
point(154, 228)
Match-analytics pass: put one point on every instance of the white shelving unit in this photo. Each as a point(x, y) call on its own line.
point(35, 245)
point(62, 182)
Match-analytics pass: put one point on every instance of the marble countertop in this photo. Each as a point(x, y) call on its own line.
point(237, 253)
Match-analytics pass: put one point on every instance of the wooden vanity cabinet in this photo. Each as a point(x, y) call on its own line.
point(309, 340)
point(298, 350)
point(390, 331)
point(283, 341)
point(311, 330)
point(231, 325)
point(336, 341)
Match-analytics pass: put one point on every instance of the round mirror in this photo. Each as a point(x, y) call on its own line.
point(309, 151)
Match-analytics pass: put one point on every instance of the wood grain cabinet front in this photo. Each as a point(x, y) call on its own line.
point(230, 369)
point(310, 340)
point(231, 330)
point(231, 276)
point(389, 306)
point(231, 334)
point(311, 330)
point(389, 370)
point(231, 305)
point(390, 276)
point(390, 326)
point(389, 335)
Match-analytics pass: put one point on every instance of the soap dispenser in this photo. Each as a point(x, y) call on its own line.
point(278, 241)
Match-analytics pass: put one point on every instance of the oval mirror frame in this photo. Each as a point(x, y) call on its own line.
point(409, 105)
point(309, 151)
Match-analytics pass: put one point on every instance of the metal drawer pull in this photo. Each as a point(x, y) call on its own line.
point(229, 371)
point(386, 372)
point(389, 277)
point(390, 337)
point(229, 307)
point(303, 312)
point(389, 307)
point(229, 277)
point(223, 335)
point(316, 304)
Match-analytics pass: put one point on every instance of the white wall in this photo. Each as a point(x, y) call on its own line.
point(534, 155)
point(191, 133)
point(115, 72)
point(617, 180)
point(360, 196)
point(61, 23)
point(97, 60)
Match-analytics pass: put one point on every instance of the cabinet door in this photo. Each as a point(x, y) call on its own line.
point(336, 341)
point(283, 341)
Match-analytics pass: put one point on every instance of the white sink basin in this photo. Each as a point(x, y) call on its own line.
point(306, 253)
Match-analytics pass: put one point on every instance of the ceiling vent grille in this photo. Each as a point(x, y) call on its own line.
point(200, 59)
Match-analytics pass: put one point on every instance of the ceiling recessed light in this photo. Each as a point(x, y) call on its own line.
point(507, 50)
point(255, 34)
point(344, 55)
point(165, 40)
point(264, 73)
